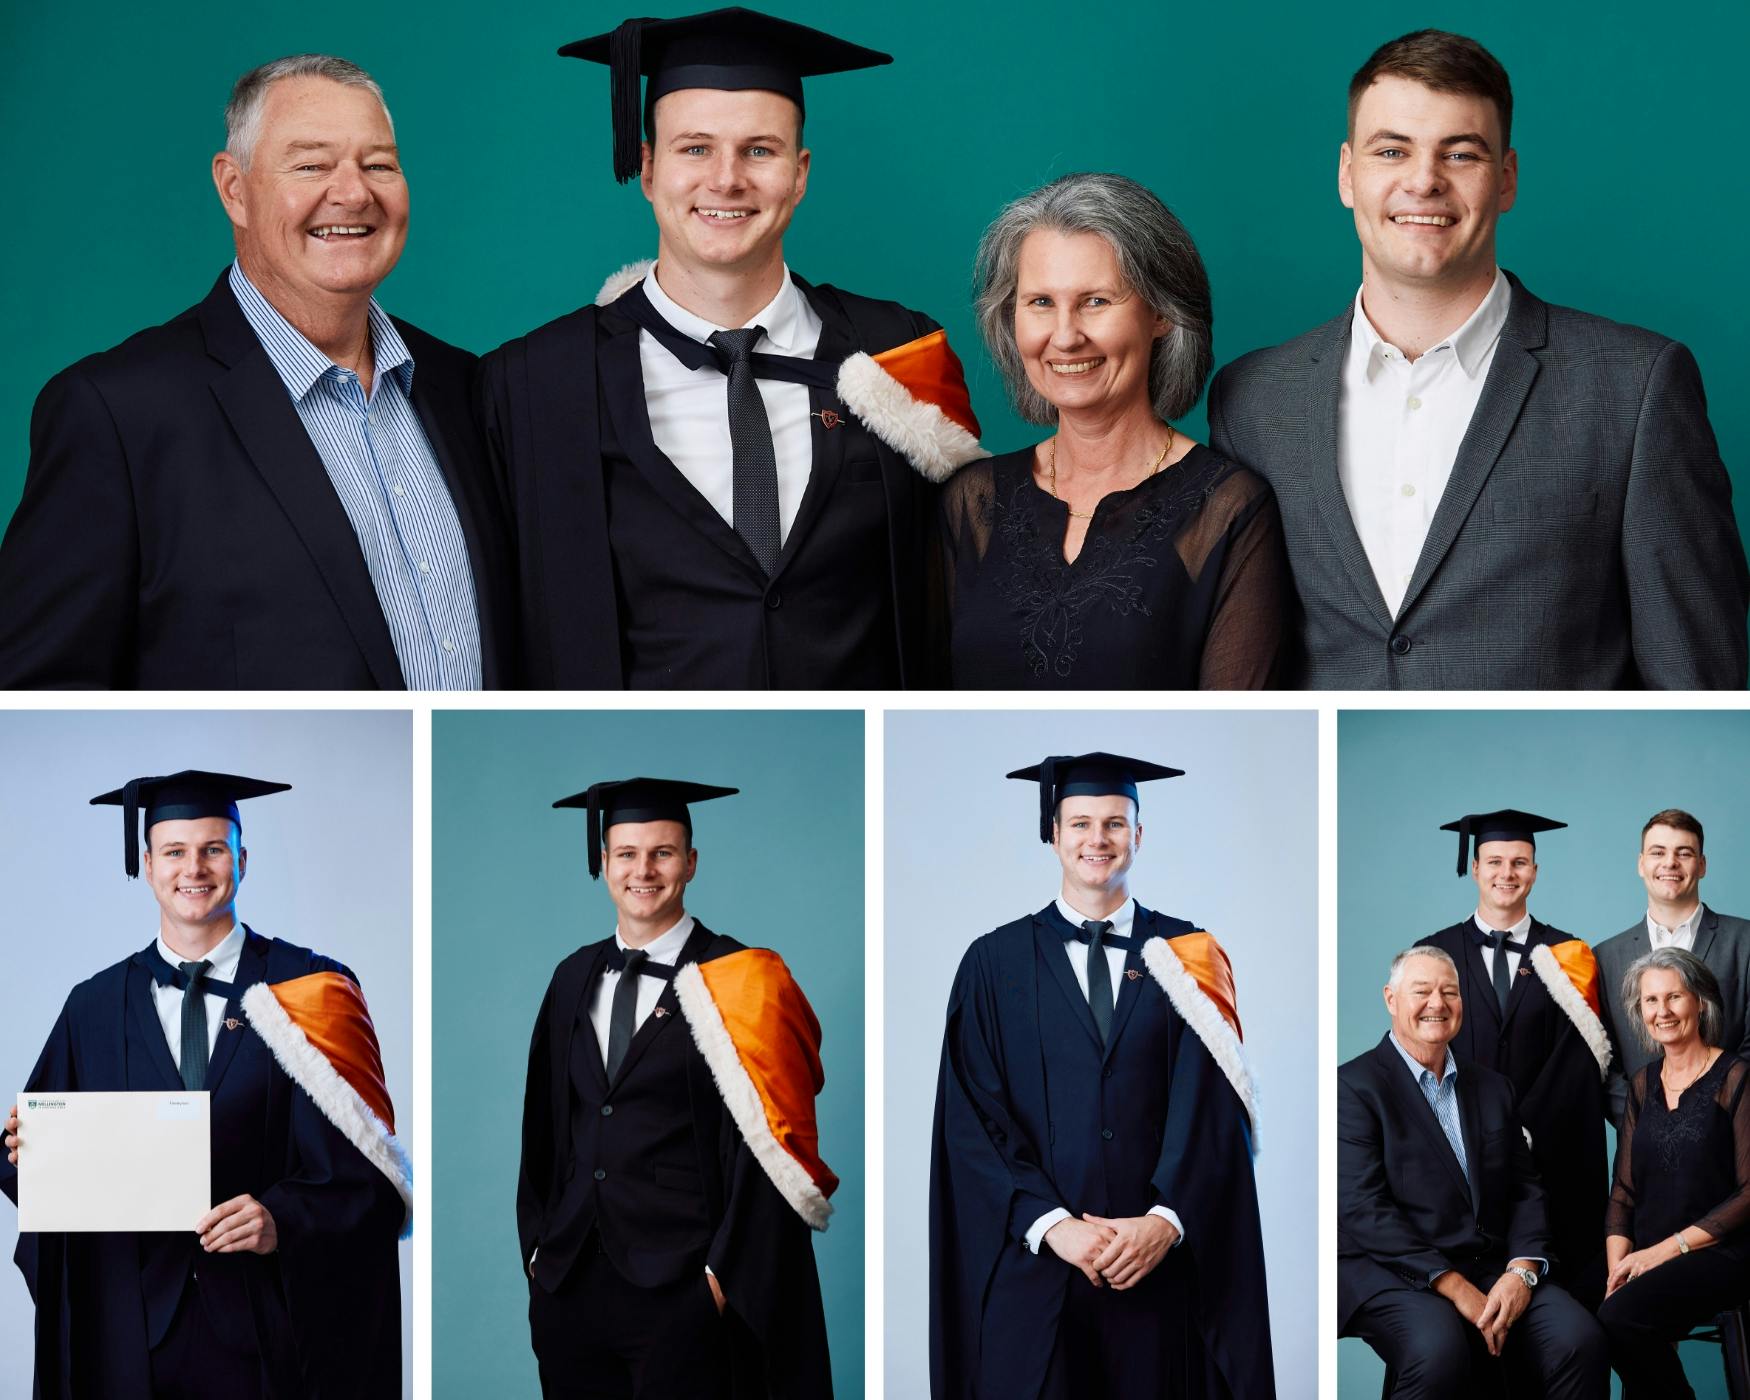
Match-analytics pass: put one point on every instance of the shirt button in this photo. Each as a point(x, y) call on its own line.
point(1407, 489)
point(1106, 1133)
point(400, 490)
point(449, 645)
point(1415, 402)
point(424, 568)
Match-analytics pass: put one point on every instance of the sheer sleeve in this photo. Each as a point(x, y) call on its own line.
point(1243, 648)
point(1619, 1214)
point(963, 527)
point(1732, 1214)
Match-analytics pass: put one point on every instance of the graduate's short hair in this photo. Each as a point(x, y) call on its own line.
point(1443, 62)
point(249, 95)
point(1678, 820)
point(1156, 258)
point(1697, 977)
point(1395, 977)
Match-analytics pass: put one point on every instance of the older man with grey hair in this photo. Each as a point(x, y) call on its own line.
point(283, 486)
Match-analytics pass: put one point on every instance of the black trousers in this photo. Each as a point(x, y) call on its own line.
point(1646, 1316)
point(1131, 1344)
point(601, 1338)
point(1556, 1349)
point(194, 1362)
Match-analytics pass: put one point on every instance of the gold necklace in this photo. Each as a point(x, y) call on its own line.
point(1051, 472)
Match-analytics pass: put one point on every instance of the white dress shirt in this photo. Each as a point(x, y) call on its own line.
point(1514, 953)
point(665, 950)
point(689, 408)
point(1122, 921)
point(1399, 425)
point(168, 1000)
point(1683, 936)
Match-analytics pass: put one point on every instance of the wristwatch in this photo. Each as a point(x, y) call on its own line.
point(1526, 1276)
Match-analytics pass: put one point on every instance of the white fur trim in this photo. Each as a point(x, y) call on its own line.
point(339, 1101)
point(742, 1100)
point(623, 281)
point(1205, 1019)
point(1567, 997)
point(920, 432)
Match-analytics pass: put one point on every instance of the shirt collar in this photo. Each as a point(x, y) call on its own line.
point(1687, 926)
point(224, 957)
point(1121, 919)
point(1517, 931)
point(1417, 1068)
point(1470, 343)
point(781, 317)
point(666, 948)
point(300, 364)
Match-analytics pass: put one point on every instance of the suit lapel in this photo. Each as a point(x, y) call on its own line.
point(1477, 974)
point(1142, 927)
point(828, 443)
point(1471, 1128)
point(1536, 935)
point(1504, 392)
point(667, 1008)
point(576, 1017)
point(1049, 943)
point(146, 1031)
point(1402, 1085)
point(1705, 933)
point(251, 968)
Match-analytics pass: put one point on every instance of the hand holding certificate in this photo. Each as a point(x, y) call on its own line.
point(111, 1161)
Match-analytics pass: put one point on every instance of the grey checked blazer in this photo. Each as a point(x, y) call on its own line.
point(1585, 539)
point(1722, 942)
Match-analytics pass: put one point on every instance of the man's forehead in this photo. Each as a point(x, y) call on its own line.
point(182, 830)
point(1110, 804)
point(665, 832)
point(313, 108)
point(1506, 850)
point(1663, 835)
point(1392, 102)
point(1423, 968)
point(728, 112)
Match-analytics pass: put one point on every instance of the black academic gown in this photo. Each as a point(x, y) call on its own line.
point(1031, 1115)
point(679, 1188)
point(323, 1311)
point(1560, 1094)
point(631, 579)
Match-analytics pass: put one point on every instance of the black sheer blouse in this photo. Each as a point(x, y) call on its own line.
point(1684, 1166)
point(1181, 583)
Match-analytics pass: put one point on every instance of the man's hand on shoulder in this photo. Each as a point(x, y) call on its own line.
point(1078, 1243)
point(241, 1225)
point(1139, 1243)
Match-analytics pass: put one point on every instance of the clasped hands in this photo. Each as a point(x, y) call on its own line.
point(241, 1225)
point(1121, 1253)
point(1493, 1314)
point(1633, 1264)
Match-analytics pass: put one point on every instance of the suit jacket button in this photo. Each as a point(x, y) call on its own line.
point(1400, 645)
point(774, 599)
point(1106, 1133)
point(1106, 1073)
point(600, 1175)
point(607, 1110)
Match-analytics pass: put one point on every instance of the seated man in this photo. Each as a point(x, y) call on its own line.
point(1442, 1240)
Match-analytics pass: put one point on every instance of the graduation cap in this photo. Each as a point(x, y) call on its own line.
point(1508, 824)
point(731, 50)
point(1088, 775)
point(185, 796)
point(638, 800)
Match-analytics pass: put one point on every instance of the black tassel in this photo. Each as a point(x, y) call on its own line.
point(624, 84)
point(594, 800)
point(130, 828)
point(1048, 794)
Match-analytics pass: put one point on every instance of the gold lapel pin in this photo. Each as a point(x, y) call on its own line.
point(659, 1011)
point(231, 1023)
point(1132, 973)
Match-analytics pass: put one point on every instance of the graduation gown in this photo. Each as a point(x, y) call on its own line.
point(701, 1152)
point(1031, 1114)
point(323, 1311)
point(631, 579)
point(1548, 1044)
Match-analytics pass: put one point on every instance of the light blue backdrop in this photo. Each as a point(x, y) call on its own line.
point(1400, 775)
point(780, 866)
point(330, 867)
point(1232, 845)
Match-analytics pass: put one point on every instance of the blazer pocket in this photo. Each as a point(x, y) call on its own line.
point(1545, 505)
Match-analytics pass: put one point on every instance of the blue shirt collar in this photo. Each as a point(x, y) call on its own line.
point(299, 363)
point(1417, 1068)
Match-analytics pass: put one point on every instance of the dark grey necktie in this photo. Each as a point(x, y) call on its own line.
point(756, 460)
point(1099, 976)
point(1503, 940)
point(194, 1025)
point(622, 1020)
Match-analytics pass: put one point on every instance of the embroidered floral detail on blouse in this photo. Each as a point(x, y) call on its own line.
point(1678, 1133)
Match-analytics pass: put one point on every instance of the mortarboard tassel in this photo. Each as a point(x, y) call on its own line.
point(624, 80)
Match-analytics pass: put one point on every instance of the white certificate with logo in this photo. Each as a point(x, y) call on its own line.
point(114, 1161)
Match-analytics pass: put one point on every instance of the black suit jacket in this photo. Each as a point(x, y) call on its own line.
point(1405, 1208)
point(178, 529)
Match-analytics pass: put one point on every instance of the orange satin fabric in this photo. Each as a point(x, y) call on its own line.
point(1206, 961)
point(330, 1010)
point(777, 1039)
point(930, 370)
point(1576, 961)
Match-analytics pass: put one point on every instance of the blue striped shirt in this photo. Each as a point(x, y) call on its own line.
point(387, 477)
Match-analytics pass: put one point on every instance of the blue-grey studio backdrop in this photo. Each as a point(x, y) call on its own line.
point(1400, 775)
point(330, 867)
point(1232, 112)
point(780, 867)
point(1232, 845)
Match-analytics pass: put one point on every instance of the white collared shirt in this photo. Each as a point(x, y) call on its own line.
point(1683, 936)
point(1519, 932)
point(689, 408)
point(1399, 426)
point(1122, 921)
point(168, 1000)
point(665, 949)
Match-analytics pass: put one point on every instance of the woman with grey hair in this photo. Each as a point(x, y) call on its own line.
point(1677, 1230)
point(1116, 553)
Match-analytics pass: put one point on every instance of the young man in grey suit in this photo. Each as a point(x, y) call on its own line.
point(1672, 865)
point(1480, 490)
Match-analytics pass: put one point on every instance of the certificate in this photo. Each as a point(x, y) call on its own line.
point(113, 1161)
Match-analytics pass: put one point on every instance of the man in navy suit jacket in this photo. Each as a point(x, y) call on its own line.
point(1442, 1242)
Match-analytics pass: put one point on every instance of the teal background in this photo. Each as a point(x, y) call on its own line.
point(780, 866)
point(1232, 112)
point(1400, 775)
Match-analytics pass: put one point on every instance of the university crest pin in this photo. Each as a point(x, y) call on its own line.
point(231, 1023)
point(660, 1011)
point(829, 418)
point(1132, 973)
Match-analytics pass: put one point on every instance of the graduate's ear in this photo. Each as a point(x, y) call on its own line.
point(242, 863)
point(692, 863)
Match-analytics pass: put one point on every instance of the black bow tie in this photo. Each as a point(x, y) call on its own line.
point(168, 975)
point(820, 374)
point(1108, 939)
point(616, 960)
point(1497, 938)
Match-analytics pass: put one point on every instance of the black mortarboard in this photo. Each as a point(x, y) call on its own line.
point(638, 800)
point(1508, 824)
point(185, 796)
point(1088, 775)
point(731, 49)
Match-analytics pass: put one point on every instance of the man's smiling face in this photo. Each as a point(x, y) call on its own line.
point(648, 866)
point(194, 867)
point(1096, 839)
point(1504, 871)
point(1426, 1009)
